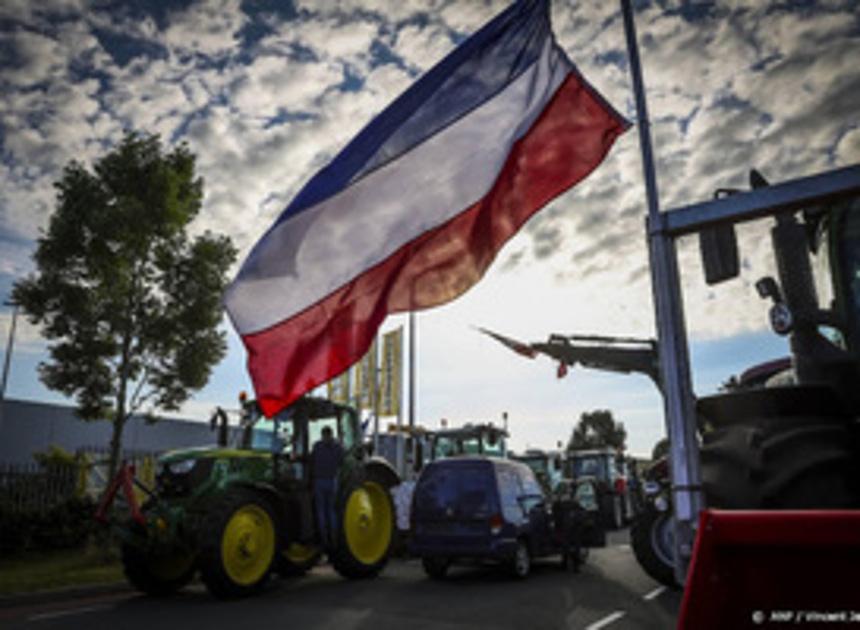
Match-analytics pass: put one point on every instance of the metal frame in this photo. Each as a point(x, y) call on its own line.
point(673, 352)
point(788, 196)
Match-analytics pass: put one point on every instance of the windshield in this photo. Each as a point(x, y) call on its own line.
point(265, 437)
point(848, 260)
point(537, 464)
point(590, 466)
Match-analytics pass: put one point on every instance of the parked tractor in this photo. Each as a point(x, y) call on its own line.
point(238, 514)
point(610, 472)
point(470, 439)
point(548, 467)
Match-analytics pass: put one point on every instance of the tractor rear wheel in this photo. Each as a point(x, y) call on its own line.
point(157, 575)
point(652, 540)
point(366, 529)
point(297, 559)
point(779, 463)
point(238, 543)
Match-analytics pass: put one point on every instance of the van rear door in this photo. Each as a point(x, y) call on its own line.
point(455, 499)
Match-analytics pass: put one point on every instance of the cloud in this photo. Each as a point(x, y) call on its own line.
point(267, 98)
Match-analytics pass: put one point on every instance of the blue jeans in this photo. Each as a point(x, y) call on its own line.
point(325, 491)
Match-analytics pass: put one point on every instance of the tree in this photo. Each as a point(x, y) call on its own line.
point(129, 301)
point(597, 429)
point(661, 449)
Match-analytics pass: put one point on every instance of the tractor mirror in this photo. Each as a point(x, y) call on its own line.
point(719, 248)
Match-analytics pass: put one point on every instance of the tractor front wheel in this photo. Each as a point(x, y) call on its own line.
point(157, 575)
point(652, 539)
point(366, 530)
point(238, 542)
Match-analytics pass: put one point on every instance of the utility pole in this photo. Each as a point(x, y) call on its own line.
point(10, 344)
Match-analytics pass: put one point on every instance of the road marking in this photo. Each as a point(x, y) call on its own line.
point(67, 613)
point(655, 593)
point(618, 614)
point(623, 546)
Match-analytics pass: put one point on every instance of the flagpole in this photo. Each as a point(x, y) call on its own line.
point(673, 353)
point(411, 371)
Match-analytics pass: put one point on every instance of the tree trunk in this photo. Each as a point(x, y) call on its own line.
point(121, 412)
point(116, 445)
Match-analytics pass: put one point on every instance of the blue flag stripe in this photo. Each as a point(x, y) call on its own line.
point(460, 82)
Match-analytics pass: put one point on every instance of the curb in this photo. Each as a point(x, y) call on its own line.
point(63, 594)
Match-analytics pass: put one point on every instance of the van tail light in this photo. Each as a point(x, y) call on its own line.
point(496, 523)
point(620, 485)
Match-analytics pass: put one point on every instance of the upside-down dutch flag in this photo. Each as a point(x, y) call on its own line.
point(412, 212)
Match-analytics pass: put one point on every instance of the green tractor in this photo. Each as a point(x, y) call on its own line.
point(238, 514)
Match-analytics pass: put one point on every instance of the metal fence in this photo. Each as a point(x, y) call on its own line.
point(33, 488)
point(38, 488)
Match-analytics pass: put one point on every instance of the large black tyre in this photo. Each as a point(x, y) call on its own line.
point(157, 575)
point(435, 567)
point(779, 463)
point(612, 511)
point(520, 564)
point(651, 538)
point(296, 560)
point(238, 543)
point(365, 527)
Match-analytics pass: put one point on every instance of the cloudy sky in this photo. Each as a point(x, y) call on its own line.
point(266, 92)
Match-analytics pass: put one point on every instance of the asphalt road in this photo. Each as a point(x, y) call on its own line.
point(611, 592)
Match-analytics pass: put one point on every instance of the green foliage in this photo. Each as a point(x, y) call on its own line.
point(661, 449)
point(63, 526)
point(57, 456)
point(130, 302)
point(597, 429)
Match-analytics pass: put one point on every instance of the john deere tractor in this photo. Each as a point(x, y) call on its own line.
point(238, 514)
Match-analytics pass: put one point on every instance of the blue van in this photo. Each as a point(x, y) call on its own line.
point(484, 508)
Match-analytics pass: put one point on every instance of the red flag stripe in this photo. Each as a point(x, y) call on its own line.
point(569, 139)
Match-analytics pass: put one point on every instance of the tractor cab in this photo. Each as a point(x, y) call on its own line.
point(291, 433)
point(548, 467)
point(471, 439)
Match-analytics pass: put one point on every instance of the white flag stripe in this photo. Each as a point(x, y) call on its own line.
point(314, 253)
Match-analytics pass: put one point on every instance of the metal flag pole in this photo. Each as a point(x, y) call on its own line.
point(678, 402)
point(411, 371)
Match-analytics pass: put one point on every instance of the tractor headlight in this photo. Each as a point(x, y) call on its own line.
point(181, 467)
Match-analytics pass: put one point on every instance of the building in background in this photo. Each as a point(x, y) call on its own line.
point(27, 427)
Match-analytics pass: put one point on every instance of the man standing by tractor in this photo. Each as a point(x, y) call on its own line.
point(326, 458)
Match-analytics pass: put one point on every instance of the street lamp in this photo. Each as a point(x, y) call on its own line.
point(10, 344)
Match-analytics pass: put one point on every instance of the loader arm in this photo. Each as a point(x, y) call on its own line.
point(612, 354)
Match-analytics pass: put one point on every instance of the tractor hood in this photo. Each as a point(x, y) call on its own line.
point(208, 452)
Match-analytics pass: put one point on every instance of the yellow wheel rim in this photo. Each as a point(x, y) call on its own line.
point(367, 522)
point(299, 554)
point(248, 544)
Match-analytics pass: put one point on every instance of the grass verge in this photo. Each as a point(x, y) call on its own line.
point(49, 570)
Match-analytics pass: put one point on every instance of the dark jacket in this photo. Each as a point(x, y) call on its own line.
point(326, 458)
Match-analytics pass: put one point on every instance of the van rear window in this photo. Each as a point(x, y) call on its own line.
point(462, 491)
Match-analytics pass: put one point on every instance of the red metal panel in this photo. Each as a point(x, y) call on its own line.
point(752, 569)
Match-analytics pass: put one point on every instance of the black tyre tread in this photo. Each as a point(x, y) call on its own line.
point(640, 541)
point(435, 568)
point(512, 568)
point(217, 582)
point(139, 575)
point(342, 559)
point(801, 462)
point(285, 567)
